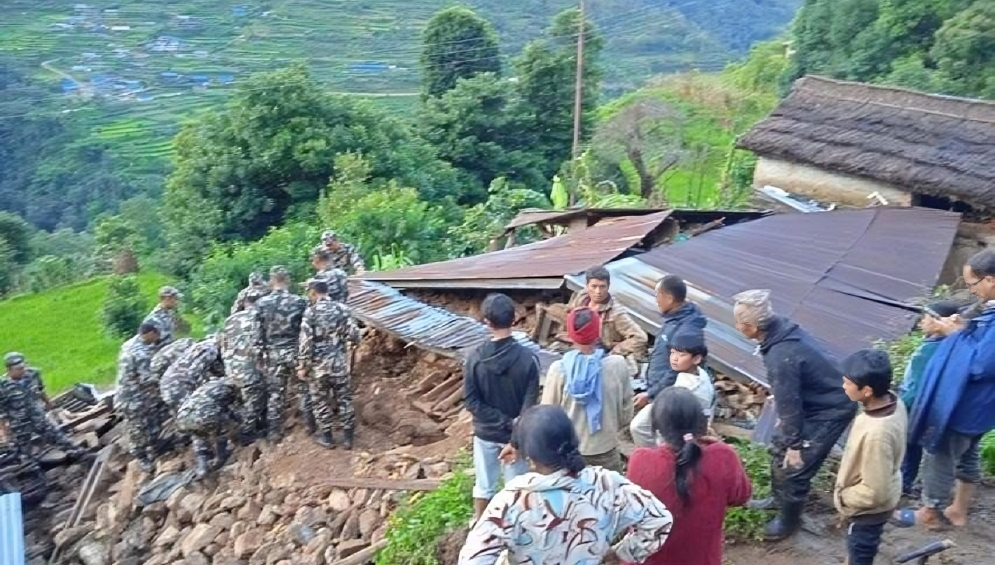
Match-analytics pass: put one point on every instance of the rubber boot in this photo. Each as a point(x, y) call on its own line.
point(349, 434)
point(203, 466)
point(325, 439)
point(768, 503)
point(308, 418)
point(787, 523)
point(221, 452)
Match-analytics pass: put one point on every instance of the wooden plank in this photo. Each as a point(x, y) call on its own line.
point(364, 556)
point(728, 430)
point(384, 484)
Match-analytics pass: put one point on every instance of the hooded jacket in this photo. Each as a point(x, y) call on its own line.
point(806, 382)
point(958, 386)
point(659, 375)
point(501, 378)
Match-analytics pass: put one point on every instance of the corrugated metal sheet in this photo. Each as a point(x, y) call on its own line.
point(849, 277)
point(529, 217)
point(424, 326)
point(548, 259)
point(633, 284)
point(11, 530)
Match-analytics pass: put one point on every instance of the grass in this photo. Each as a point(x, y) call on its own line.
point(988, 454)
point(60, 332)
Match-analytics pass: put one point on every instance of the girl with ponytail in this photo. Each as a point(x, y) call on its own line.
point(564, 512)
point(696, 477)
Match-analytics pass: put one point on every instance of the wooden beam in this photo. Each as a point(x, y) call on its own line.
point(364, 556)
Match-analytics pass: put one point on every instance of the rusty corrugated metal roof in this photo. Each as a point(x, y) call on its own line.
point(849, 277)
point(427, 327)
point(543, 263)
point(529, 217)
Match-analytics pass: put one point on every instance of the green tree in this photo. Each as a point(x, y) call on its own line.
point(16, 233)
point(8, 268)
point(964, 51)
point(546, 78)
point(117, 242)
point(457, 43)
point(484, 222)
point(123, 308)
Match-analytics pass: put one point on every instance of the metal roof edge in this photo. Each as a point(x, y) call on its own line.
point(11, 530)
point(539, 283)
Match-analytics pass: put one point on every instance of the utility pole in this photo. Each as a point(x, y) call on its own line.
point(578, 93)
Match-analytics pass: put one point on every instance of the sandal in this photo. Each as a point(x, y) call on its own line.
point(906, 518)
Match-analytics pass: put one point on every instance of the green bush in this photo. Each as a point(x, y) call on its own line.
point(123, 308)
point(988, 454)
point(741, 523)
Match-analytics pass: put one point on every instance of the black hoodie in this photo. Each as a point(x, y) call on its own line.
point(806, 382)
point(501, 378)
point(660, 375)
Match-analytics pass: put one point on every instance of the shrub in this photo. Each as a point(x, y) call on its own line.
point(741, 523)
point(988, 454)
point(123, 309)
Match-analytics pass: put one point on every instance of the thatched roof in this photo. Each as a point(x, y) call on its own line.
point(923, 143)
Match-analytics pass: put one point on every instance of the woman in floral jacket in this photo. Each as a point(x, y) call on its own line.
point(563, 513)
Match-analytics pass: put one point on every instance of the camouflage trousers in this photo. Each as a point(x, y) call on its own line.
point(23, 433)
point(144, 418)
point(280, 368)
point(252, 392)
point(332, 396)
point(204, 429)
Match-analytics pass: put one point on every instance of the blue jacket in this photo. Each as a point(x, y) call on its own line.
point(917, 365)
point(957, 391)
point(659, 375)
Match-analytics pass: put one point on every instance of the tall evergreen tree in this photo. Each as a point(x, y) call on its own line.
point(457, 43)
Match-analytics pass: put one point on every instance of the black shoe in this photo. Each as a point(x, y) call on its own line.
point(308, 418)
point(349, 437)
point(203, 466)
point(246, 437)
point(787, 523)
point(221, 453)
point(325, 440)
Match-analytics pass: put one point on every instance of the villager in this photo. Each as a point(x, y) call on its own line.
point(337, 279)
point(687, 355)
point(812, 409)
point(327, 329)
point(696, 477)
point(27, 377)
point(564, 512)
point(869, 483)
point(239, 339)
point(196, 366)
point(279, 314)
point(909, 390)
point(257, 285)
point(678, 314)
point(501, 379)
point(345, 256)
point(138, 396)
point(594, 388)
point(164, 315)
point(205, 415)
point(955, 405)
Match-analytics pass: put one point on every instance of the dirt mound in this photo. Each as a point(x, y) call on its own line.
point(448, 548)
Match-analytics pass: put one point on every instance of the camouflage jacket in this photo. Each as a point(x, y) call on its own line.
point(20, 408)
point(192, 369)
point(326, 330)
point(31, 381)
point(166, 321)
point(347, 258)
point(135, 382)
point(208, 407)
point(240, 338)
point(338, 285)
point(169, 355)
point(239, 304)
point(279, 315)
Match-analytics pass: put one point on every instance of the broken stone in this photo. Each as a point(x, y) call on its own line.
point(227, 557)
point(351, 547)
point(249, 512)
point(436, 470)
point(311, 516)
point(350, 530)
point(339, 501)
point(94, 553)
point(248, 544)
point(300, 534)
point(196, 558)
point(368, 521)
point(190, 505)
point(167, 466)
point(212, 550)
point(128, 488)
point(69, 536)
point(268, 516)
point(331, 554)
point(223, 520)
point(359, 496)
point(199, 538)
point(237, 529)
point(173, 502)
point(168, 536)
point(156, 510)
point(321, 541)
point(232, 502)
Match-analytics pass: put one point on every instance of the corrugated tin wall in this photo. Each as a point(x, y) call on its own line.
point(11, 530)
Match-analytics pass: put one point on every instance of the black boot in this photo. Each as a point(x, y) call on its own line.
point(246, 437)
point(768, 503)
point(787, 523)
point(325, 440)
point(221, 452)
point(349, 436)
point(308, 418)
point(203, 466)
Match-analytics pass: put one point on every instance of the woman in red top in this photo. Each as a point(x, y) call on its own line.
point(696, 478)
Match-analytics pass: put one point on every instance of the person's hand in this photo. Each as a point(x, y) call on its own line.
point(508, 455)
point(302, 374)
point(640, 400)
point(949, 325)
point(793, 459)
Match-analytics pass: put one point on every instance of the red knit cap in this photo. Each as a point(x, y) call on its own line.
point(589, 333)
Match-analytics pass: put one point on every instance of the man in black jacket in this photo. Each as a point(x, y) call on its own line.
point(501, 378)
point(678, 314)
point(813, 410)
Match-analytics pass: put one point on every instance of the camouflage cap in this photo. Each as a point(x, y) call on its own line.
point(13, 359)
point(256, 279)
point(321, 253)
point(170, 292)
point(279, 272)
point(329, 236)
point(318, 285)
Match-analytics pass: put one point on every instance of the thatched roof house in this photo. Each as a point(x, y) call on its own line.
point(843, 141)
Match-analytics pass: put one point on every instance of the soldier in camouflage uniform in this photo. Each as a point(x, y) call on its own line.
point(279, 315)
point(164, 315)
point(138, 395)
point(337, 279)
point(344, 256)
point(197, 364)
point(205, 416)
point(169, 355)
point(27, 377)
point(239, 340)
point(257, 285)
point(21, 409)
point(326, 331)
